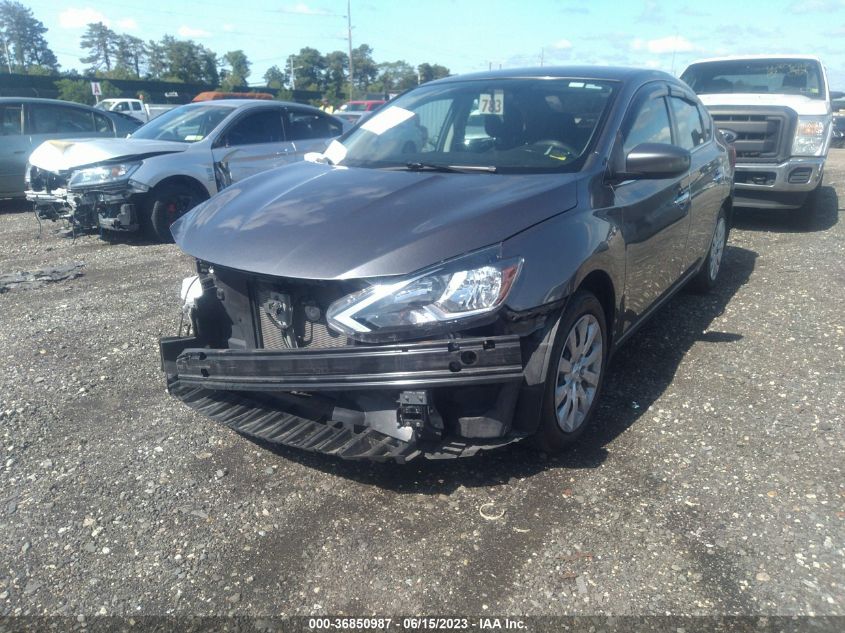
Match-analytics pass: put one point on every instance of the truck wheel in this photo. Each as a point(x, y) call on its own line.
point(166, 204)
point(575, 374)
point(706, 278)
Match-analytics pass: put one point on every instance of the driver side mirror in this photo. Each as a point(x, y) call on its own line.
point(836, 94)
point(655, 161)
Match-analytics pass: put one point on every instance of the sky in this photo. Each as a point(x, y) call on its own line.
point(472, 35)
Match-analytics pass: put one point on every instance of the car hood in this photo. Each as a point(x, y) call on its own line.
point(799, 103)
point(313, 221)
point(64, 155)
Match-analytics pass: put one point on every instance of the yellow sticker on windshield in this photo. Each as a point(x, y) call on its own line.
point(492, 102)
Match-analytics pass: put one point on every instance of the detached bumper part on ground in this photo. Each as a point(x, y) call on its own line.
point(358, 402)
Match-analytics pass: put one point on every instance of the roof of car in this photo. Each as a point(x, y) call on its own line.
point(606, 73)
point(738, 58)
point(39, 100)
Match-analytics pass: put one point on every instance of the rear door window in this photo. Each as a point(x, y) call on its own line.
point(56, 119)
point(11, 119)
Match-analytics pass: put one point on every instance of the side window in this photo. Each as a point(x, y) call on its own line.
point(53, 119)
point(690, 130)
point(10, 119)
point(103, 124)
point(302, 125)
point(136, 106)
point(121, 106)
point(651, 125)
point(264, 126)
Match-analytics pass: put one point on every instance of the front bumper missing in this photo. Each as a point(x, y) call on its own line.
point(249, 391)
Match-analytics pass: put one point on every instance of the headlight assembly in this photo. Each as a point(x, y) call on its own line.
point(103, 175)
point(810, 136)
point(464, 290)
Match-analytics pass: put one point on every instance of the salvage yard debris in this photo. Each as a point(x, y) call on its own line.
point(38, 278)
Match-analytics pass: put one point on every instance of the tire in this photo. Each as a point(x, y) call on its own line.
point(572, 390)
point(166, 204)
point(708, 276)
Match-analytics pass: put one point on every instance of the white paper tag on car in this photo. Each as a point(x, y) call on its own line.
point(387, 119)
point(492, 103)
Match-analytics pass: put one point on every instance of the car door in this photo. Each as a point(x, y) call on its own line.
point(15, 148)
point(309, 131)
point(695, 133)
point(654, 213)
point(252, 143)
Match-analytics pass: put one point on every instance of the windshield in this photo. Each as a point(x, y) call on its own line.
point(104, 105)
point(186, 124)
point(758, 76)
point(503, 125)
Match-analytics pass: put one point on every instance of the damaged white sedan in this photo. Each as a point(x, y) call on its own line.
point(151, 178)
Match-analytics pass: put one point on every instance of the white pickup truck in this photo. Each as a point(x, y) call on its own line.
point(144, 112)
point(776, 111)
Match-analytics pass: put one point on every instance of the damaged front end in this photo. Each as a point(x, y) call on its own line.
point(265, 356)
point(98, 197)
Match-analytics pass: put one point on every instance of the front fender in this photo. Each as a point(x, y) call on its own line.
point(197, 166)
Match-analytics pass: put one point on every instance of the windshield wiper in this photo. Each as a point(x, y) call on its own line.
point(455, 169)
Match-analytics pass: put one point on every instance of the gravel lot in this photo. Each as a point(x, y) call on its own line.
point(712, 484)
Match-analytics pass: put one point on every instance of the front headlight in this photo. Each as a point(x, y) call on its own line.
point(464, 290)
point(810, 136)
point(103, 175)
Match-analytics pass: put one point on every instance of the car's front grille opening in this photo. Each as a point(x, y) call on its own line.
point(291, 317)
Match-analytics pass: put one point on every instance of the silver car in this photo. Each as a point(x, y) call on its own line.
point(177, 160)
point(26, 123)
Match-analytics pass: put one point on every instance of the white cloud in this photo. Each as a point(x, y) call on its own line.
point(74, 18)
point(303, 9)
point(664, 45)
point(127, 24)
point(562, 44)
point(228, 27)
point(187, 31)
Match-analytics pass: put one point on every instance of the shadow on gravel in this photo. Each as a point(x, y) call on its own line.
point(641, 371)
point(825, 216)
point(14, 206)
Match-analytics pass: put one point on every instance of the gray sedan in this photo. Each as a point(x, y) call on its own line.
point(26, 123)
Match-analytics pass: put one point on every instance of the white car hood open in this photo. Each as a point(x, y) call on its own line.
point(799, 103)
point(64, 155)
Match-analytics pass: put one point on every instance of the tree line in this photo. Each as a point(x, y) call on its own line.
point(112, 55)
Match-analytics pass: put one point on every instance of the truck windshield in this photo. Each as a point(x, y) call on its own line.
point(758, 76)
point(492, 125)
point(187, 124)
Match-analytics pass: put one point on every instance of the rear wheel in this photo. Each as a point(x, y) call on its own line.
point(166, 204)
point(706, 278)
point(575, 374)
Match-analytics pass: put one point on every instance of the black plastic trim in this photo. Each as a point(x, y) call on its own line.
point(456, 362)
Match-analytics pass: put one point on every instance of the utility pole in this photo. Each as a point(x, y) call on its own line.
point(542, 56)
point(292, 72)
point(349, 37)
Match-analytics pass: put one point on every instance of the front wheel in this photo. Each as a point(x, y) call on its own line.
point(166, 204)
point(706, 278)
point(575, 374)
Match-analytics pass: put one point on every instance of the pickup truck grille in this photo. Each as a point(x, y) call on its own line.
point(763, 134)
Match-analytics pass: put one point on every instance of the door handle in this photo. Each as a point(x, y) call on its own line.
point(19, 151)
point(682, 198)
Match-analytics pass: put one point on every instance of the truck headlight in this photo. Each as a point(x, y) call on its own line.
point(463, 290)
point(810, 136)
point(102, 175)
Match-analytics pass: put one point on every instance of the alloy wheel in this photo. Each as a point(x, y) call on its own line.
point(717, 248)
point(579, 372)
